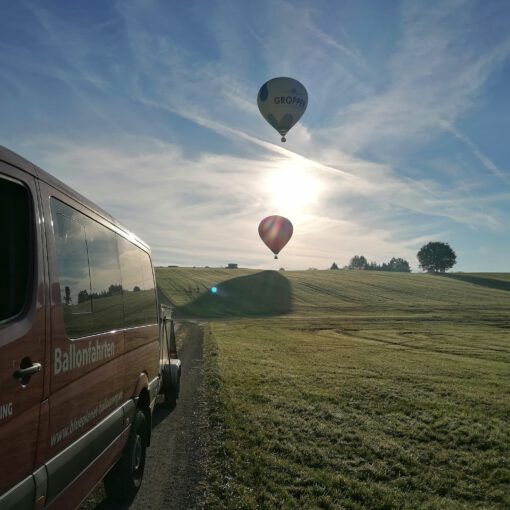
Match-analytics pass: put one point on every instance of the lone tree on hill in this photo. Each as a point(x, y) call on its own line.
point(334, 266)
point(436, 257)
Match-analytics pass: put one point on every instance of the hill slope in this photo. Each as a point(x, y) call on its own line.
point(245, 292)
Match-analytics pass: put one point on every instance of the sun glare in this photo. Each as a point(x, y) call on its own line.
point(292, 188)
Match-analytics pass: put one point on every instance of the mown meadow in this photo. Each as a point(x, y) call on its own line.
point(352, 389)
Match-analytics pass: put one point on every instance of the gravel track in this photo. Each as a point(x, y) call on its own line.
point(174, 468)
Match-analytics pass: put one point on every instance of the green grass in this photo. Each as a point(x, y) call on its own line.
point(372, 390)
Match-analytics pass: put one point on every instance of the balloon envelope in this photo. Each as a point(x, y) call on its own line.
point(276, 232)
point(282, 102)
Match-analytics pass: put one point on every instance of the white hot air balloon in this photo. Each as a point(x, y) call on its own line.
point(282, 102)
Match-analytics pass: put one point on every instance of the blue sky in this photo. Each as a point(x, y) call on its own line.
point(149, 109)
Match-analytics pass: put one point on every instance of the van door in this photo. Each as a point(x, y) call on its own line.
point(22, 334)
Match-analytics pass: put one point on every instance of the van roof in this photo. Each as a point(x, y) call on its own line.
point(10, 157)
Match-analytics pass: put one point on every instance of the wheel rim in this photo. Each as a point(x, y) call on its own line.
point(137, 453)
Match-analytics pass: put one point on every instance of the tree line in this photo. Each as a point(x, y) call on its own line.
point(361, 263)
point(85, 296)
point(433, 257)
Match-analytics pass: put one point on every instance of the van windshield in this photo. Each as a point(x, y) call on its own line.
point(15, 247)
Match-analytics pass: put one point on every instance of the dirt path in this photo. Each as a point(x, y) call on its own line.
point(176, 457)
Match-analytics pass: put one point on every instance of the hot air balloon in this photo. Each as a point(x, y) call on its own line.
point(282, 102)
point(276, 232)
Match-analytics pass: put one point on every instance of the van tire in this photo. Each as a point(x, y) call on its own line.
point(171, 383)
point(124, 480)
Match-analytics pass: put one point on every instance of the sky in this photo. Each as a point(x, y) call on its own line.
point(149, 108)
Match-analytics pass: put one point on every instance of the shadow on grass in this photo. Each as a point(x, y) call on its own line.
point(478, 280)
point(266, 293)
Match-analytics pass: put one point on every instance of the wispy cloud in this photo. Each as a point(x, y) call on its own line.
point(438, 72)
point(346, 48)
point(484, 160)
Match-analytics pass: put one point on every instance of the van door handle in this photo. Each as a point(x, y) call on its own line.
point(24, 373)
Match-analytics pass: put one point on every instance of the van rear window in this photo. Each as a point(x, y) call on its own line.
point(15, 247)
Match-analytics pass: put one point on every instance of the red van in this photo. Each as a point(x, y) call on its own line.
point(81, 360)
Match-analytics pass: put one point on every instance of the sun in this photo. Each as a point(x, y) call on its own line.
point(292, 188)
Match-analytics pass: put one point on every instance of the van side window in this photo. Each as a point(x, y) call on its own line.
point(73, 266)
point(16, 227)
point(107, 306)
point(89, 272)
point(138, 285)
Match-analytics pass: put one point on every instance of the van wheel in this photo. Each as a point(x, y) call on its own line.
point(124, 480)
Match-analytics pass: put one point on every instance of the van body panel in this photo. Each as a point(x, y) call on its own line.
point(73, 460)
point(144, 352)
point(79, 406)
point(43, 437)
point(79, 489)
point(138, 337)
point(22, 344)
point(19, 440)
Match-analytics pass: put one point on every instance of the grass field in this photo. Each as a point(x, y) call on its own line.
point(346, 389)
